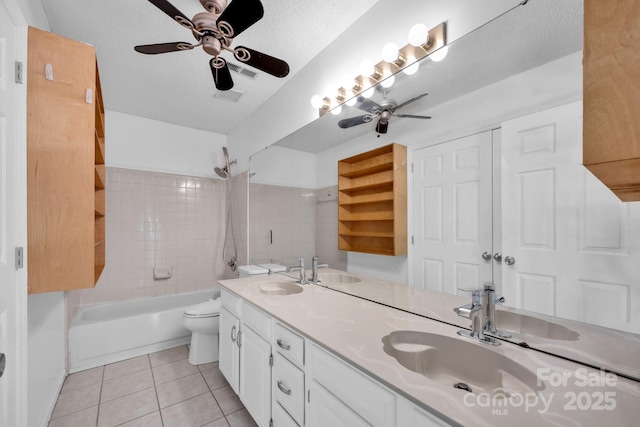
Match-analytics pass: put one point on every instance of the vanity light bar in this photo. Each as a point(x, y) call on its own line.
point(437, 39)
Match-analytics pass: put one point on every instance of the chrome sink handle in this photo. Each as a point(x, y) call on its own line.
point(303, 278)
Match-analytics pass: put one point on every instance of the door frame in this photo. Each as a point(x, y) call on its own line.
point(20, 187)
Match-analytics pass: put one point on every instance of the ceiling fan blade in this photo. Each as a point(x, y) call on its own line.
point(154, 49)
point(354, 121)
point(410, 101)
point(365, 104)
point(262, 61)
point(221, 73)
point(412, 116)
point(174, 13)
point(240, 15)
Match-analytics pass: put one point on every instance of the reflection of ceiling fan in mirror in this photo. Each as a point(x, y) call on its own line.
point(382, 111)
point(214, 30)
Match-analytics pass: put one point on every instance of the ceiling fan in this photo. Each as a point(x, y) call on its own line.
point(382, 111)
point(214, 30)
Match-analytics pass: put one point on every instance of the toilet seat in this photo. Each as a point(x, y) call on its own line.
point(209, 308)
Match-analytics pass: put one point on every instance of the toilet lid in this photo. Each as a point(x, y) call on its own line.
point(208, 308)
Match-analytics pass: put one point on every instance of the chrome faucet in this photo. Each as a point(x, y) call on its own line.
point(490, 300)
point(303, 277)
point(314, 269)
point(481, 312)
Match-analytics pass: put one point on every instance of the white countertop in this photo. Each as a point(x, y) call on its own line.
point(353, 328)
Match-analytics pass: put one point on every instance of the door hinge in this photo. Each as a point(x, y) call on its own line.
point(309, 396)
point(412, 167)
point(19, 72)
point(19, 258)
point(412, 240)
point(271, 360)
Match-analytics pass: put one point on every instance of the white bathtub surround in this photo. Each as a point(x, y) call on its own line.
point(158, 220)
point(108, 333)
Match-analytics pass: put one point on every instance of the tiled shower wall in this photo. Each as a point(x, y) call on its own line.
point(281, 224)
point(158, 220)
point(288, 223)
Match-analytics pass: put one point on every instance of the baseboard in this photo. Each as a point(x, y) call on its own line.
point(54, 400)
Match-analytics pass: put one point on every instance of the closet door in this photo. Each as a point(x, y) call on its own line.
point(576, 246)
point(453, 214)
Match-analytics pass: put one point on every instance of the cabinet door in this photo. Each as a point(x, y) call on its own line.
point(229, 352)
point(324, 409)
point(255, 375)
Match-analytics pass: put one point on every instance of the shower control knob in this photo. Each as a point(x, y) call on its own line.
point(486, 256)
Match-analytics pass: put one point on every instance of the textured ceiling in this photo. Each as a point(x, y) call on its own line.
point(178, 87)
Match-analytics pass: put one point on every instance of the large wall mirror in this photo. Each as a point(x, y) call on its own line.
point(498, 192)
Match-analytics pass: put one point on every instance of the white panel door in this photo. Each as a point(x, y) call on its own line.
point(255, 375)
point(453, 214)
point(12, 349)
point(576, 246)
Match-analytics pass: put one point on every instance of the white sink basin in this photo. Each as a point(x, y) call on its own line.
point(460, 364)
point(529, 325)
point(279, 288)
point(341, 278)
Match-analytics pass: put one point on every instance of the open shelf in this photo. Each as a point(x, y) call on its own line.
point(372, 207)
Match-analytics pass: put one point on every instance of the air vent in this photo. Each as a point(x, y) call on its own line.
point(229, 95)
point(242, 71)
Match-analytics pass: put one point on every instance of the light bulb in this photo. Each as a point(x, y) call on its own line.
point(390, 52)
point(337, 110)
point(366, 68)
point(388, 82)
point(331, 91)
point(418, 35)
point(439, 54)
point(368, 93)
point(412, 69)
point(316, 101)
point(347, 82)
point(352, 101)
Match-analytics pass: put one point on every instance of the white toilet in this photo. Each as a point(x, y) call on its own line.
point(203, 320)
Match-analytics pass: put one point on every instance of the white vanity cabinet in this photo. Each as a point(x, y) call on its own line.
point(245, 355)
point(288, 377)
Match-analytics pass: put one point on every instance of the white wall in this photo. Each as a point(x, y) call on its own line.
point(46, 355)
point(541, 88)
point(289, 109)
point(139, 143)
point(284, 167)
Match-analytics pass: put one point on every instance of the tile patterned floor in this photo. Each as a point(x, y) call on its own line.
point(156, 390)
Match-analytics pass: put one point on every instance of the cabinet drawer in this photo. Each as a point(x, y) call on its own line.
point(289, 344)
point(281, 418)
point(367, 398)
point(256, 320)
point(230, 301)
point(289, 387)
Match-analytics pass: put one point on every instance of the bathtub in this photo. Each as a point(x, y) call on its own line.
point(106, 333)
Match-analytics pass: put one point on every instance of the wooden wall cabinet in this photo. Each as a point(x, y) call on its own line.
point(65, 165)
point(372, 201)
point(611, 68)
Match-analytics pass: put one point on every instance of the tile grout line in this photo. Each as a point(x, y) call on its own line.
point(155, 388)
point(100, 395)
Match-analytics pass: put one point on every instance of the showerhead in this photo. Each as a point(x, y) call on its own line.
point(222, 172)
point(225, 172)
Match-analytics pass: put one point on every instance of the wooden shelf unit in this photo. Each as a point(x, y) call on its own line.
point(372, 201)
point(65, 168)
point(611, 71)
point(100, 183)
